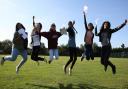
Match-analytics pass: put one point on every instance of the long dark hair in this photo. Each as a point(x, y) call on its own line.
point(17, 26)
point(91, 24)
point(40, 25)
point(70, 22)
point(102, 27)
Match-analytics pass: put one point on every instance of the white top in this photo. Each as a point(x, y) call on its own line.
point(35, 40)
point(22, 32)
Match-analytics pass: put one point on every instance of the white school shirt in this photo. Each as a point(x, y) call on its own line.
point(35, 39)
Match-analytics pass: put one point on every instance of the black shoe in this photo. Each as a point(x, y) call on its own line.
point(82, 58)
point(2, 61)
point(87, 58)
point(40, 59)
point(114, 69)
point(49, 61)
point(44, 60)
point(92, 58)
point(105, 68)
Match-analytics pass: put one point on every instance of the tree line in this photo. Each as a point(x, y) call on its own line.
point(122, 51)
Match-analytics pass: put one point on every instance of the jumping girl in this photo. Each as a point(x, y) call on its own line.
point(52, 37)
point(105, 37)
point(88, 39)
point(36, 38)
point(20, 42)
point(72, 47)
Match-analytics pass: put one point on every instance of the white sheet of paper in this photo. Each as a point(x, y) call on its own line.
point(24, 35)
point(63, 31)
point(36, 40)
point(86, 9)
point(22, 32)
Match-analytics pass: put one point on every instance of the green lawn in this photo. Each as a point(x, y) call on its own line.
point(86, 75)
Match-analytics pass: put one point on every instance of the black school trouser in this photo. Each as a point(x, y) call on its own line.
point(89, 52)
point(35, 53)
point(105, 54)
point(73, 56)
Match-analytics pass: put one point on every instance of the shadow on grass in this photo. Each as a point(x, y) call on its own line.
point(125, 87)
point(69, 86)
point(40, 86)
point(89, 86)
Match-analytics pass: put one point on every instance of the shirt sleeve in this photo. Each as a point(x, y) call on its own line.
point(59, 34)
point(44, 34)
point(96, 34)
point(85, 22)
point(118, 28)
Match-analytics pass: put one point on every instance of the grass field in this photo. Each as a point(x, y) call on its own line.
point(86, 75)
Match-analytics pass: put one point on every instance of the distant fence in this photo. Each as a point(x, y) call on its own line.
point(119, 54)
point(79, 53)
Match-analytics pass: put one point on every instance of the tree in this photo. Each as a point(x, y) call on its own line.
point(63, 50)
point(43, 45)
point(43, 49)
point(0, 45)
point(96, 49)
point(123, 46)
point(6, 46)
point(82, 47)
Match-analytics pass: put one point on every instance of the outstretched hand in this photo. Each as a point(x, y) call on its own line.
point(33, 21)
point(73, 22)
point(126, 21)
point(33, 17)
point(84, 12)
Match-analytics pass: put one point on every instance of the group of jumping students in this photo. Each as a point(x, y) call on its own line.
point(20, 43)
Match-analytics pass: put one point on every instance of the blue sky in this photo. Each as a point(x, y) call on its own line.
point(60, 12)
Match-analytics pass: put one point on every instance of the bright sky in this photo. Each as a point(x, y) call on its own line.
point(60, 12)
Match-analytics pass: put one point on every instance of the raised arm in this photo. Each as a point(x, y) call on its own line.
point(96, 34)
point(44, 34)
point(85, 21)
point(73, 22)
point(33, 21)
point(119, 27)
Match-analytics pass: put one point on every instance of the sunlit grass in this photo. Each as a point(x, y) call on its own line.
point(86, 75)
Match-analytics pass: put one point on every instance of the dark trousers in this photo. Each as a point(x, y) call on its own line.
point(73, 57)
point(89, 52)
point(35, 53)
point(105, 54)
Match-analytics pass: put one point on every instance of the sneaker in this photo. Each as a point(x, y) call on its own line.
point(88, 58)
point(70, 71)
point(17, 70)
point(49, 61)
point(82, 58)
point(2, 61)
point(56, 58)
point(114, 69)
point(105, 68)
point(65, 71)
point(45, 60)
point(92, 58)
